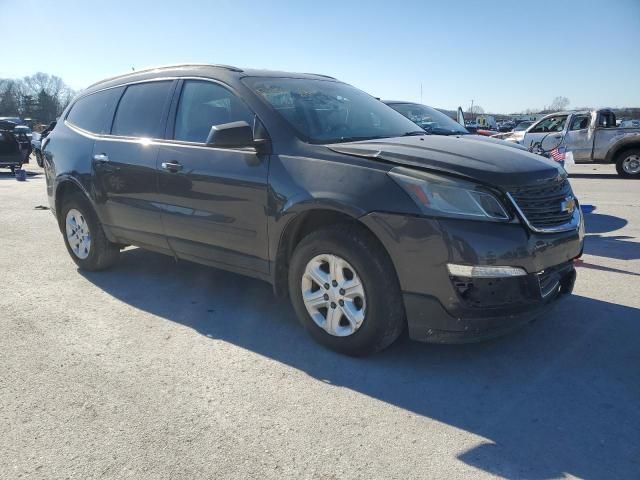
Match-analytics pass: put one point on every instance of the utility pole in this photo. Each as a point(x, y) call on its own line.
point(471, 109)
point(420, 92)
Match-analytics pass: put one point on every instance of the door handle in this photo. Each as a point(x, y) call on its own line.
point(101, 157)
point(172, 166)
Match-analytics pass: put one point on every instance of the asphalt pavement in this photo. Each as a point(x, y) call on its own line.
point(157, 369)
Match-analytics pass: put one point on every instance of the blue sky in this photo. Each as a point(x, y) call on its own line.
point(507, 56)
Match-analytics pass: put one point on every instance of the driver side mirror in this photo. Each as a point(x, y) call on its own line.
point(230, 135)
point(238, 134)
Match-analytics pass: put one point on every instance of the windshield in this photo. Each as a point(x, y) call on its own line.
point(324, 111)
point(429, 118)
point(522, 126)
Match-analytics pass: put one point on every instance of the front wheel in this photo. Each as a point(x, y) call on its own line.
point(84, 237)
point(628, 164)
point(345, 292)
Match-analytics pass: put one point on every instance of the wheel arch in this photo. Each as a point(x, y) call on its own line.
point(301, 223)
point(621, 146)
point(64, 187)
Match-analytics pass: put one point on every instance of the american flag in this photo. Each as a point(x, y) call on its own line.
point(558, 154)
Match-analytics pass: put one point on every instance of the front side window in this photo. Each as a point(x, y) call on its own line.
point(325, 111)
point(203, 105)
point(551, 124)
point(139, 112)
point(94, 112)
point(429, 119)
point(579, 122)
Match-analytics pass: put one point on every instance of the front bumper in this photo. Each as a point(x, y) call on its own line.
point(443, 308)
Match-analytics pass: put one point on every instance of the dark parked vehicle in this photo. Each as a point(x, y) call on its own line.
point(367, 223)
point(10, 151)
point(428, 118)
point(38, 139)
point(23, 135)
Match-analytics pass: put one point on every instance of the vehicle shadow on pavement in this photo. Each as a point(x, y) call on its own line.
point(621, 247)
point(7, 175)
point(559, 396)
point(596, 175)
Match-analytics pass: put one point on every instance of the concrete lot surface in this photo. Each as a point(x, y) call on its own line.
point(163, 370)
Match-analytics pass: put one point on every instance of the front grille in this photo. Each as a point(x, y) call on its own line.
point(543, 205)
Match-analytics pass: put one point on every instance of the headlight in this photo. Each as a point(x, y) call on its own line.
point(448, 197)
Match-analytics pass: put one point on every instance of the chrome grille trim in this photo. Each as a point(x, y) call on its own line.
point(540, 206)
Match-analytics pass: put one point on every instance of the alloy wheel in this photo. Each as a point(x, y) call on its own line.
point(78, 234)
point(334, 295)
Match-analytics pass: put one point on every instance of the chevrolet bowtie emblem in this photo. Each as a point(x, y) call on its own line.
point(568, 205)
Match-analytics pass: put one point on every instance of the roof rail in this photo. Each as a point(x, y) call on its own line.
point(149, 69)
point(228, 67)
point(320, 75)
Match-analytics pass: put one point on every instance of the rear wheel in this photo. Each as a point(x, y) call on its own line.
point(345, 291)
point(628, 163)
point(84, 237)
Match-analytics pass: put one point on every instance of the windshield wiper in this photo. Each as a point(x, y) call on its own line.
point(356, 139)
point(415, 132)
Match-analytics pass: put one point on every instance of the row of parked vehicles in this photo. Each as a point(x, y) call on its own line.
point(591, 137)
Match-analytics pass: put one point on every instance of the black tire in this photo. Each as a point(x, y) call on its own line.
point(621, 157)
point(102, 253)
point(384, 318)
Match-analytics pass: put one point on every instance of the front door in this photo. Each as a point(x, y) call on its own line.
point(552, 125)
point(125, 165)
point(213, 200)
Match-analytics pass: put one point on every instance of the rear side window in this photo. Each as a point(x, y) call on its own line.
point(203, 105)
point(95, 112)
point(139, 112)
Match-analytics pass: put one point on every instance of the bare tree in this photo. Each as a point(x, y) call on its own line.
point(559, 103)
point(476, 109)
point(41, 96)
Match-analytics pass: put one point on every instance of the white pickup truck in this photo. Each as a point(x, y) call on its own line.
point(591, 136)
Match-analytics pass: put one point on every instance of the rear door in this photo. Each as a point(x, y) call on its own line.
point(125, 164)
point(214, 200)
point(553, 125)
point(605, 135)
point(578, 139)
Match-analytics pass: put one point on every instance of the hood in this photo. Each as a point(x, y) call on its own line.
point(489, 162)
point(495, 141)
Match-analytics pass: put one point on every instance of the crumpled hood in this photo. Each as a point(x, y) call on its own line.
point(487, 162)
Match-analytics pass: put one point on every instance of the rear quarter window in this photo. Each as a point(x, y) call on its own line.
point(140, 111)
point(95, 112)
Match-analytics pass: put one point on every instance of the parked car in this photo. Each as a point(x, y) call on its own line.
point(592, 137)
point(38, 139)
point(428, 118)
point(506, 126)
point(630, 124)
point(367, 223)
point(10, 152)
point(23, 135)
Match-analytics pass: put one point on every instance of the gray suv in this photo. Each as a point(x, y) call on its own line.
point(370, 225)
